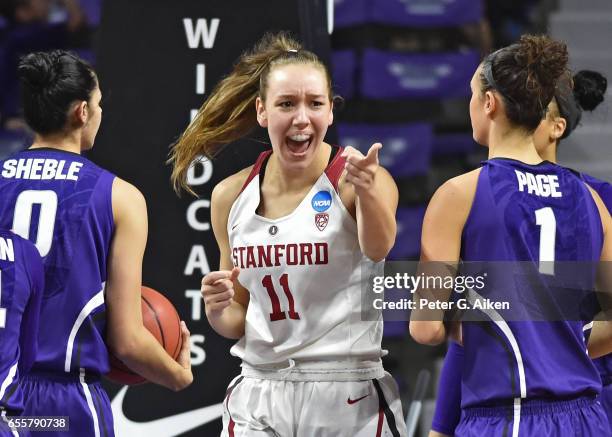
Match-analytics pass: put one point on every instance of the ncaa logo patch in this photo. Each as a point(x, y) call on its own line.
point(321, 201)
point(321, 220)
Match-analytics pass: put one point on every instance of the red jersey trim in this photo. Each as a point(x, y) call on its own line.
point(256, 168)
point(333, 171)
point(335, 168)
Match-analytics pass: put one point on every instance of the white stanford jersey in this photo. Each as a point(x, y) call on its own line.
point(304, 275)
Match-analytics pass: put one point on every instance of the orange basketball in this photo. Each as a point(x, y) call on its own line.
point(161, 319)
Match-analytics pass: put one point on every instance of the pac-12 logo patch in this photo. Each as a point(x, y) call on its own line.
point(321, 220)
point(321, 201)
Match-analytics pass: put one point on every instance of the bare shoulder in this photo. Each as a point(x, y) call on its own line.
point(452, 202)
point(124, 188)
point(126, 197)
point(446, 216)
point(465, 182)
point(223, 197)
point(225, 192)
point(459, 190)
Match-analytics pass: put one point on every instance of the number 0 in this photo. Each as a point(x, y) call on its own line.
point(46, 222)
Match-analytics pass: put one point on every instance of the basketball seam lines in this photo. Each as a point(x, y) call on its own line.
point(163, 338)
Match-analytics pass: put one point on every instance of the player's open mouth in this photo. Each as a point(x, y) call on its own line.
point(298, 144)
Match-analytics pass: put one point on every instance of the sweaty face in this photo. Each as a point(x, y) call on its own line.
point(478, 117)
point(297, 112)
point(94, 119)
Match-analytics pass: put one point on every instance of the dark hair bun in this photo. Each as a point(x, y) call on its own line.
point(50, 83)
point(589, 89)
point(37, 70)
point(544, 59)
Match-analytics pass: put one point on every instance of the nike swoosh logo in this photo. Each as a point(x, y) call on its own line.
point(353, 401)
point(165, 426)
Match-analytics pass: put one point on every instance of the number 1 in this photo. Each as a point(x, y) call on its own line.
point(545, 218)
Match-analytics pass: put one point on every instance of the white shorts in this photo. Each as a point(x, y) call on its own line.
point(255, 407)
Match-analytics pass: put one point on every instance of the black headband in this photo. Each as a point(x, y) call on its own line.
point(569, 108)
point(487, 69)
point(487, 72)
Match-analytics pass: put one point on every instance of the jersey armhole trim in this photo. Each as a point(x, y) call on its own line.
point(256, 169)
point(27, 269)
point(469, 215)
point(336, 167)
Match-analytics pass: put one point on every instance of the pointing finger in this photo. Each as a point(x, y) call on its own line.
point(372, 156)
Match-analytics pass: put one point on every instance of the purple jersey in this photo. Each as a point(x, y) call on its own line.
point(448, 404)
point(21, 288)
point(604, 364)
point(62, 202)
point(515, 207)
point(604, 189)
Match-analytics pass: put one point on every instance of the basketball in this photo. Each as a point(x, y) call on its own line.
point(161, 319)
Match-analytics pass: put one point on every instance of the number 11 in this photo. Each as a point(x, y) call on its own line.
point(277, 314)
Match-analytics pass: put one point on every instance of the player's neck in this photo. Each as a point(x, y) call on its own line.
point(550, 153)
point(61, 141)
point(297, 181)
point(514, 144)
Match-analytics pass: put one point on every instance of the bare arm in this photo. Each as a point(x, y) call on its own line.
point(440, 249)
point(127, 337)
point(600, 340)
point(375, 197)
point(225, 300)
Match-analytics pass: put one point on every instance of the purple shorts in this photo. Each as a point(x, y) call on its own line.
point(579, 417)
point(606, 401)
point(80, 398)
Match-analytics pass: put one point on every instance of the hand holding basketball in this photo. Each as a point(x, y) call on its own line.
point(218, 289)
point(361, 170)
point(162, 320)
point(184, 356)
